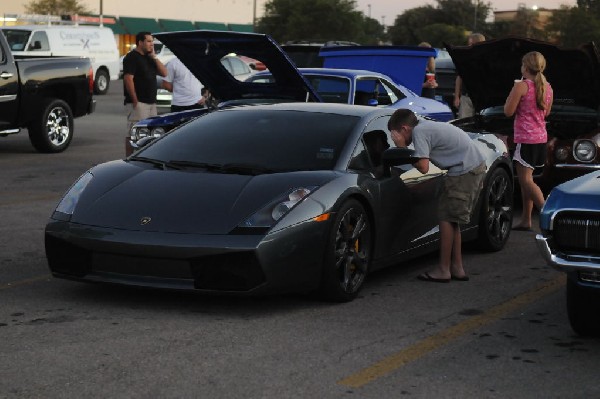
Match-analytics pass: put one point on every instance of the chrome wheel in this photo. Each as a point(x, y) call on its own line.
point(58, 126)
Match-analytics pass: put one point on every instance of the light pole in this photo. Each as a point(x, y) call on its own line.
point(369, 6)
point(101, 13)
point(475, 17)
point(254, 17)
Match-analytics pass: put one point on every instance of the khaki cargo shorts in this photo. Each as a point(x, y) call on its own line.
point(460, 194)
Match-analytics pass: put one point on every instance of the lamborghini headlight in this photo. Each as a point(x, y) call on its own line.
point(274, 211)
point(69, 201)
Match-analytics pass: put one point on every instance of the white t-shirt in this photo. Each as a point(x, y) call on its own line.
point(186, 88)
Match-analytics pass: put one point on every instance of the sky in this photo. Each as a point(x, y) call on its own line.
point(242, 11)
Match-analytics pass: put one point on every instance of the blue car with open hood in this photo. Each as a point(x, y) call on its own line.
point(202, 51)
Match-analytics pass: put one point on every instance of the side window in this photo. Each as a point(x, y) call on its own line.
point(367, 155)
point(2, 56)
point(388, 90)
point(366, 89)
point(359, 160)
point(39, 42)
point(238, 67)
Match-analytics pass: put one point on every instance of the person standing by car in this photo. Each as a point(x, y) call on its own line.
point(462, 101)
point(140, 68)
point(429, 83)
point(447, 147)
point(530, 101)
point(186, 88)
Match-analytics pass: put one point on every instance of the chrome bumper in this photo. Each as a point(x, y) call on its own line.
point(566, 263)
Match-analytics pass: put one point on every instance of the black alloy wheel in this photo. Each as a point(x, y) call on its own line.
point(496, 212)
point(348, 253)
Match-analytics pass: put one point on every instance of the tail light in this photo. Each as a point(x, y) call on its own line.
point(91, 79)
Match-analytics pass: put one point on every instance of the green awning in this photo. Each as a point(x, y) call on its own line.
point(135, 25)
point(241, 27)
point(211, 25)
point(117, 27)
point(175, 25)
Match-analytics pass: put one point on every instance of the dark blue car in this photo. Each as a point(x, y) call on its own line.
point(570, 242)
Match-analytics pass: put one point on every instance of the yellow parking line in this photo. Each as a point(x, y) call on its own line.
point(429, 344)
point(24, 282)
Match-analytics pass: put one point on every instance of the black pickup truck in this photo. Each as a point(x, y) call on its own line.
point(44, 95)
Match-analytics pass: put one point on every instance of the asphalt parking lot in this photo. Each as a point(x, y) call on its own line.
point(503, 334)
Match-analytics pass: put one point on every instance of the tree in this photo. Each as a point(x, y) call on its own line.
point(318, 20)
point(467, 13)
point(407, 25)
point(574, 26)
point(592, 6)
point(427, 23)
point(56, 7)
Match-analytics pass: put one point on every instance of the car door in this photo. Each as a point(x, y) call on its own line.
point(407, 204)
point(9, 81)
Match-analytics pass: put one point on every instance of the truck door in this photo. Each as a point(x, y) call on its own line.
point(9, 80)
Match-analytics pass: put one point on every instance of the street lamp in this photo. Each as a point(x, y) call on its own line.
point(369, 6)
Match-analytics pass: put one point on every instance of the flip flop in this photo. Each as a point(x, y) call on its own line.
point(521, 228)
point(426, 277)
point(463, 278)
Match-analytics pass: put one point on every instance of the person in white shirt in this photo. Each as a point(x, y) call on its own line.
point(186, 88)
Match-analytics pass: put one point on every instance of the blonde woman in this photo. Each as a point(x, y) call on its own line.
point(530, 101)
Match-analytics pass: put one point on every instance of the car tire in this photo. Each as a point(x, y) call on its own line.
point(583, 309)
point(51, 129)
point(348, 253)
point(102, 82)
point(496, 211)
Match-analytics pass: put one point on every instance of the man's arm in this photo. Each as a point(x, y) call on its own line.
point(167, 85)
point(130, 87)
point(457, 90)
point(161, 69)
point(422, 165)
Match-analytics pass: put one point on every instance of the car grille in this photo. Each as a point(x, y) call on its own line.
point(577, 231)
point(238, 271)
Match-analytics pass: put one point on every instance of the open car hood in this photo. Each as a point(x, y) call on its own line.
point(489, 68)
point(201, 52)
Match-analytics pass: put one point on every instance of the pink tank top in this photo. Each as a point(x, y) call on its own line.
point(530, 123)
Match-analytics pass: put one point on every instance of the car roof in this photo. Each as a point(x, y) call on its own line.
point(488, 70)
point(201, 52)
point(333, 108)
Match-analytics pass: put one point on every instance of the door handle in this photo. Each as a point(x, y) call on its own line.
point(6, 75)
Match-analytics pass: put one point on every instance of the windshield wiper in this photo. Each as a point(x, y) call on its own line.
point(156, 162)
point(198, 165)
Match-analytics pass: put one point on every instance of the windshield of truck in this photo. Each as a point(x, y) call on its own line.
point(17, 39)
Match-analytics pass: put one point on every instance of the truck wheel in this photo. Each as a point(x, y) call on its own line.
point(52, 128)
point(102, 82)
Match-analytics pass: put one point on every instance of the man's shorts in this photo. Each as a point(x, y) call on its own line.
point(460, 194)
point(530, 155)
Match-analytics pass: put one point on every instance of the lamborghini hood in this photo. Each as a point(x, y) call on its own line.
point(130, 197)
point(201, 51)
point(489, 68)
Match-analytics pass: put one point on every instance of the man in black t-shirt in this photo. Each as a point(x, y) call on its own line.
point(140, 67)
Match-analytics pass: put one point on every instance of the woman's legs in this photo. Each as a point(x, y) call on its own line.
point(531, 194)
